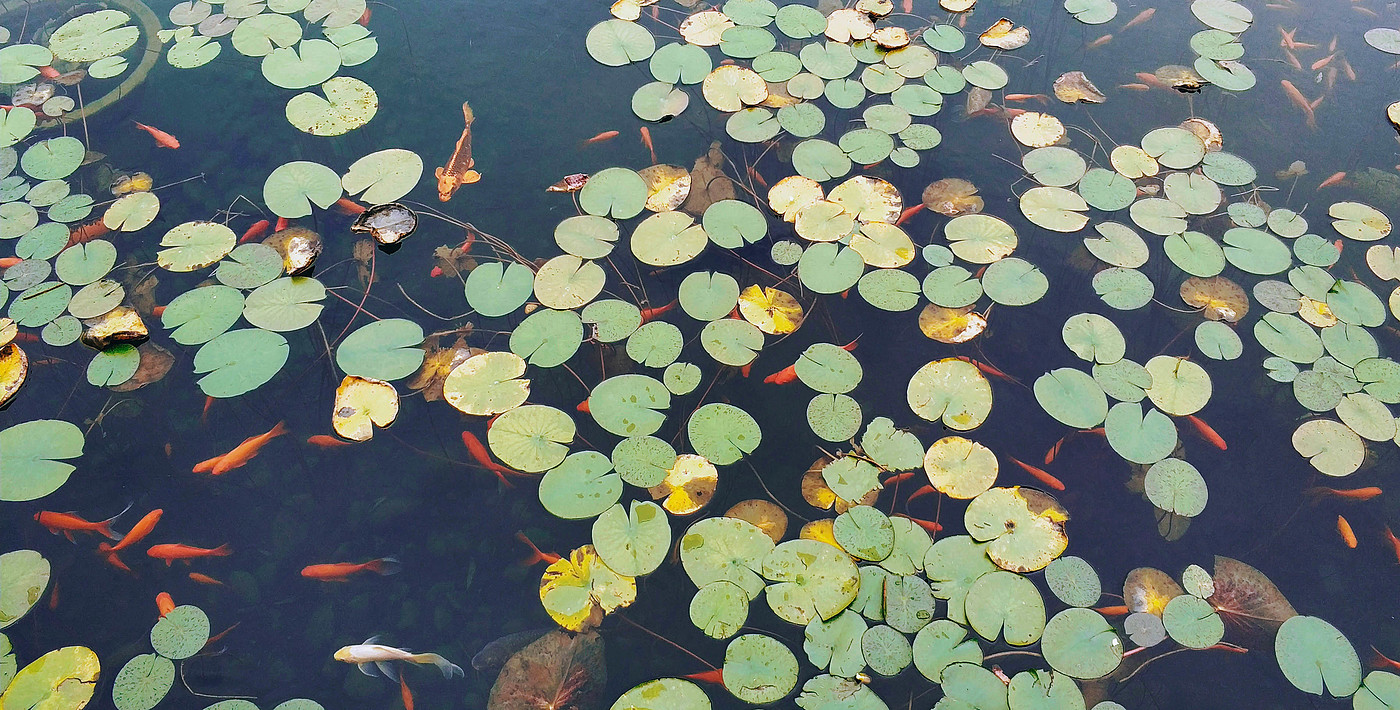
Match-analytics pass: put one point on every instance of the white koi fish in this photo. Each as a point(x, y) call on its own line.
point(371, 655)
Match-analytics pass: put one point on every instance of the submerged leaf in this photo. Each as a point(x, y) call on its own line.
point(558, 670)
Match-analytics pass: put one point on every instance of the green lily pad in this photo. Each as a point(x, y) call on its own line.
point(1314, 655)
point(726, 549)
point(664, 694)
point(382, 176)
point(113, 366)
point(633, 543)
point(1139, 438)
point(311, 62)
point(532, 438)
point(53, 158)
point(809, 580)
point(384, 350)
point(348, 104)
point(82, 264)
point(62, 679)
point(618, 193)
point(1177, 487)
point(615, 43)
point(496, 289)
point(759, 669)
point(1192, 622)
point(1073, 581)
point(1072, 397)
point(1025, 527)
point(33, 453)
point(886, 651)
point(660, 101)
point(722, 433)
point(258, 35)
point(25, 574)
point(1079, 643)
point(629, 405)
point(20, 62)
point(143, 682)
point(731, 342)
point(40, 304)
point(582, 486)
point(93, 36)
point(15, 124)
point(951, 390)
point(132, 212)
point(940, 645)
point(286, 304)
point(1331, 447)
point(181, 632)
point(249, 266)
point(1007, 605)
point(835, 645)
point(292, 188)
point(192, 52)
point(547, 338)
point(566, 282)
point(1055, 208)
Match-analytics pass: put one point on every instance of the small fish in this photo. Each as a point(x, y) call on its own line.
point(1286, 38)
point(536, 556)
point(909, 212)
point(104, 550)
point(460, 167)
point(1365, 11)
point(1027, 97)
point(205, 579)
point(1296, 96)
point(1319, 492)
point(899, 478)
point(172, 552)
point(756, 177)
point(1206, 432)
point(244, 452)
point(1348, 70)
point(785, 376)
point(364, 17)
point(1344, 530)
point(326, 441)
point(349, 207)
point(1135, 87)
point(53, 597)
point(651, 313)
point(986, 369)
point(495, 654)
point(747, 369)
point(404, 693)
point(715, 676)
point(219, 636)
point(1322, 62)
point(163, 139)
point(87, 233)
point(68, 523)
point(9, 261)
point(1140, 18)
point(907, 6)
point(139, 531)
point(1394, 543)
point(1039, 474)
point(1101, 41)
point(646, 141)
point(601, 137)
point(343, 571)
point(1380, 662)
point(478, 452)
point(164, 604)
point(1054, 450)
point(926, 490)
point(1333, 179)
point(1332, 46)
point(928, 525)
point(256, 231)
point(1292, 60)
point(371, 655)
point(49, 73)
point(583, 407)
point(1113, 610)
point(282, 223)
point(204, 415)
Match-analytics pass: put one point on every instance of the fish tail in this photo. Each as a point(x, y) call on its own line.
point(467, 113)
point(385, 566)
point(223, 550)
point(447, 667)
point(278, 430)
point(105, 527)
point(142, 126)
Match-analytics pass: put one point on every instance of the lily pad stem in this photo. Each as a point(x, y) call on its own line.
point(206, 695)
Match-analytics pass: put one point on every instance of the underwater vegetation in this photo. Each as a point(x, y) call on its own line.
point(840, 409)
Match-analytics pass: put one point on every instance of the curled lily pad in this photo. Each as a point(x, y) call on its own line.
point(361, 404)
point(579, 590)
point(810, 580)
point(1025, 527)
point(63, 679)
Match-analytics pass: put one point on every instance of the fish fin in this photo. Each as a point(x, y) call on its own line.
point(372, 640)
point(105, 527)
point(448, 668)
point(386, 566)
point(387, 669)
point(69, 534)
point(367, 669)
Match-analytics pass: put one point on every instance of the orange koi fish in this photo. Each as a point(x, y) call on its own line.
point(1286, 38)
point(1101, 41)
point(68, 523)
point(928, 525)
point(1380, 662)
point(9, 261)
point(1345, 531)
point(986, 369)
point(1039, 474)
point(256, 231)
point(104, 550)
point(478, 452)
point(459, 168)
point(747, 369)
point(1149, 78)
point(1135, 87)
point(1322, 62)
point(715, 676)
point(204, 415)
point(1140, 18)
point(909, 212)
point(1205, 431)
point(163, 139)
point(326, 441)
point(604, 136)
point(349, 207)
point(364, 17)
point(583, 407)
point(139, 531)
point(87, 233)
point(1394, 542)
point(1112, 610)
point(1296, 96)
point(1333, 179)
point(244, 452)
point(282, 223)
point(1359, 494)
point(49, 73)
point(404, 694)
point(646, 141)
point(651, 313)
point(164, 604)
point(205, 579)
point(899, 478)
point(1346, 69)
point(343, 571)
point(536, 556)
point(785, 376)
point(926, 490)
point(174, 551)
point(1027, 97)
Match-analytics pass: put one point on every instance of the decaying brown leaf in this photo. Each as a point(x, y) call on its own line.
point(708, 183)
point(560, 670)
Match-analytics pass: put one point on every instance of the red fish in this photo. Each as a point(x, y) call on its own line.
point(7, 262)
point(1345, 531)
point(404, 694)
point(282, 223)
point(646, 141)
point(1380, 662)
point(986, 369)
point(899, 478)
point(244, 452)
point(1027, 97)
point(163, 139)
point(256, 231)
point(49, 73)
point(1367, 493)
point(756, 177)
point(785, 376)
point(1039, 474)
point(172, 552)
point(715, 676)
point(204, 416)
point(164, 604)
point(928, 525)
point(1333, 179)
point(1205, 431)
point(1054, 450)
point(205, 579)
point(1140, 18)
point(349, 206)
point(87, 233)
point(1394, 543)
point(536, 556)
point(68, 523)
point(113, 559)
point(604, 136)
point(909, 212)
point(364, 22)
point(926, 490)
point(326, 441)
point(1135, 87)
point(650, 313)
point(139, 531)
point(343, 571)
point(583, 407)
point(478, 452)
point(1296, 96)
point(1112, 610)
point(1101, 41)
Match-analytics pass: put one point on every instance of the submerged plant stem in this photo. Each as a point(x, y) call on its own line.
point(679, 647)
point(206, 695)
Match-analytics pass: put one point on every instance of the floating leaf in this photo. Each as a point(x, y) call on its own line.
point(25, 576)
point(63, 679)
point(579, 590)
point(1025, 527)
point(362, 404)
point(143, 682)
point(1080, 643)
point(1313, 653)
point(348, 104)
point(181, 632)
point(33, 453)
point(239, 361)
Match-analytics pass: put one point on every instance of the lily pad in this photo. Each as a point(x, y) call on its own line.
point(33, 458)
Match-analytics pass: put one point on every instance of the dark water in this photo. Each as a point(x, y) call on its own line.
point(536, 95)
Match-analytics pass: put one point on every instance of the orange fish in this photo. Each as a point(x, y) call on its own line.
point(113, 558)
point(244, 452)
point(1135, 87)
point(1141, 17)
point(583, 407)
point(1322, 62)
point(1380, 662)
point(256, 231)
point(1296, 96)
point(9, 261)
point(1054, 450)
point(1027, 97)
point(172, 552)
point(219, 636)
point(899, 478)
point(1205, 431)
point(1394, 542)
point(986, 369)
point(1319, 492)
point(536, 556)
point(406, 696)
point(651, 313)
point(715, 676)
point(163, 139)
point(928, 525)
point(1112, 610)
point(1332, 46)
point(1333, 179)
point(909, 212)
point(49, 73)
point(1344, 529)
point(1099, 42)
point(604, 136)
point(326, 441)
point(1149, 78)
point(139, 531)
point(1039, 474)
point(907, 6)
point(756, 177)
point(282, 223)
point(460, 167)
point(349, 206)
point(646, 141)
point(1346, 69)
point(926, 490)
point(164, 604)
point(364, 17)
point(53, 597)
point(478, 452)
point(87, 233)
point(343, 571)
point(68, 523)
point(785, 376)
point(746, 369)
point(1286, 37)
point(1292, 60)
point(205, 579)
